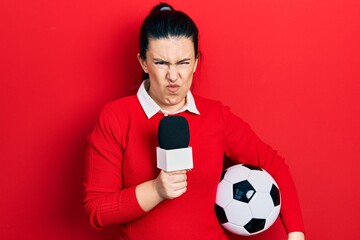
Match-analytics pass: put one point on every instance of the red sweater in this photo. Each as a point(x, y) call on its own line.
point(122, 154)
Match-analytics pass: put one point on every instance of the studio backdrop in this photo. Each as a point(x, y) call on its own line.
point(288, 67)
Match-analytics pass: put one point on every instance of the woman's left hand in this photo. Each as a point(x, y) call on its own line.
point(296, 236)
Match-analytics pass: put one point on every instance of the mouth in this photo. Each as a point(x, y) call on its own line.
point(173, 88)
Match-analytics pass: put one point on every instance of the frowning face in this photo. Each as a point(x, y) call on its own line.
point(170, 63)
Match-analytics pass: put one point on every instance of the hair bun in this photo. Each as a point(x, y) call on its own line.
point(162, 7)
point(165, 8)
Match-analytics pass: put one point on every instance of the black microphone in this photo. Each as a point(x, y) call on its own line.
point(174, 153)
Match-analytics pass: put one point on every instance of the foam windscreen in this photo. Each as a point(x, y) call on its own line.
point(173, 133)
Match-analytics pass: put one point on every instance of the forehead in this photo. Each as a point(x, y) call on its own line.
point(172, 48)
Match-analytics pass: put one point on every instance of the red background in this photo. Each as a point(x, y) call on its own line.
point(288, 67)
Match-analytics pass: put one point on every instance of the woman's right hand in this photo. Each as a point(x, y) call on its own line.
point(171, 185)
point(167, 185)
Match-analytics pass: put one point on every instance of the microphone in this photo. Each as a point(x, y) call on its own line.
point(174, 153)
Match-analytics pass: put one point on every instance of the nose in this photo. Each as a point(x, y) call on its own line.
point(172, 74)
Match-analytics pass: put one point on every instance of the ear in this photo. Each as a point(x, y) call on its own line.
point(142, 63)
point(196, 63)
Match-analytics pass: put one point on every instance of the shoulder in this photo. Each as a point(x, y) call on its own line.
point(202, 101)
point(124, 102)
point(214, 109)
point(205, 105)
point(115, 117)
point(122, 105)
point(121, 110)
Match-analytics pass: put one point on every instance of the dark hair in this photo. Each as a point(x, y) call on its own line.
point(163, 22)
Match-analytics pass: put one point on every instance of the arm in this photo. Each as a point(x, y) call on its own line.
point(106, 200)
point(243, 145)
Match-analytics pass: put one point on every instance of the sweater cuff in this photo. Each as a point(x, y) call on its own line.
point(293, 223)
point(131, 205)
point(126, 209)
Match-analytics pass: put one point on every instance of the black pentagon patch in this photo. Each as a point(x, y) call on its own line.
point(220, 213)
point(252, 167)
point(275, 195)
point(255, 225)
point(243, 191)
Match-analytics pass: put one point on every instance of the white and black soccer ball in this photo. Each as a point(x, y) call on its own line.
point(248, 200)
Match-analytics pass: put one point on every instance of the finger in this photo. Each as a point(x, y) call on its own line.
point(177, 193)
point(173, 190)
point(178, 186)
point(176, 172)
point(178, 178)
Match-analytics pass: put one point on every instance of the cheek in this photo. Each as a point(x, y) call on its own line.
point(156, 75)
point(188, 74)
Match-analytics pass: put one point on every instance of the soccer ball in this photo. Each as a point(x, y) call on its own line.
point(248, 200)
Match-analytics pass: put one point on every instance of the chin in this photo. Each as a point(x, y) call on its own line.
point(172, 102)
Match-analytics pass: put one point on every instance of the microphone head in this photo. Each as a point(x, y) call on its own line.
point(173, 133)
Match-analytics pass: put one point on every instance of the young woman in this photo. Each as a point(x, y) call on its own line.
point(123, 185)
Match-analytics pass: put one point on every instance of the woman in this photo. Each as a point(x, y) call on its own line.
point(123, 185)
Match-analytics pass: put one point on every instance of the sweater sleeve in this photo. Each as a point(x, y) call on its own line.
point(243, 145)
point(106, 200)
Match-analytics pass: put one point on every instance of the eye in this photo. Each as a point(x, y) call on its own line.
point(160, 63)
point(183, 64)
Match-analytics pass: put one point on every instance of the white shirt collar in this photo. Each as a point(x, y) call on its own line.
point(150, 107)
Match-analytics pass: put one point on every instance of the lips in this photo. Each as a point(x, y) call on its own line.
point(173, 88)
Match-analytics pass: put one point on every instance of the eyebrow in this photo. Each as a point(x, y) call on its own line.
point(161, 60)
